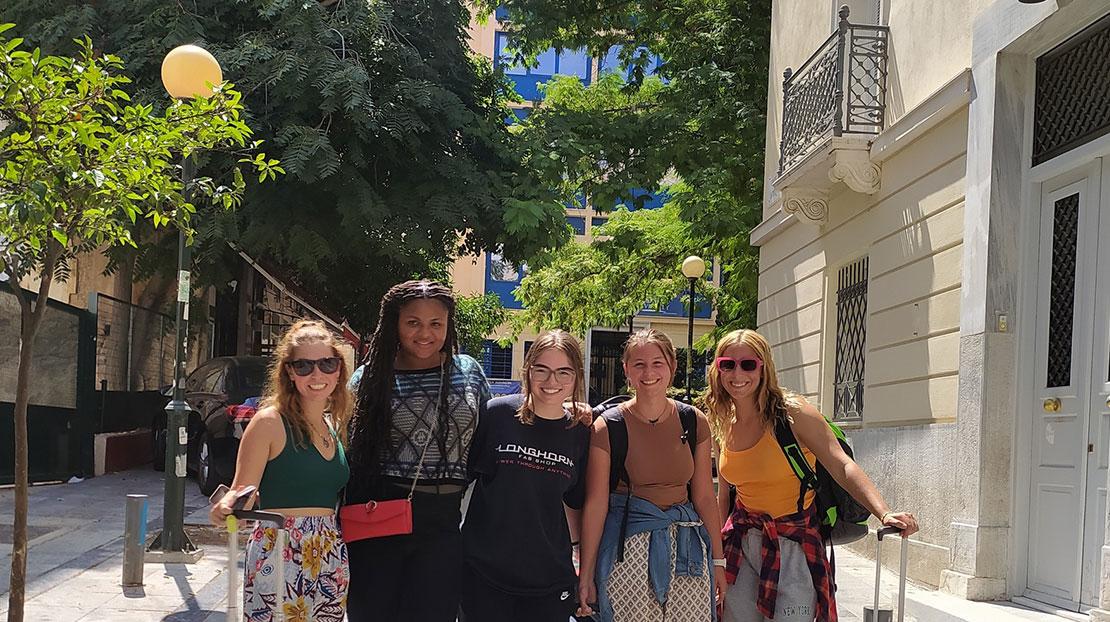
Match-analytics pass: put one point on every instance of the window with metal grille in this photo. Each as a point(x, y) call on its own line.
point(851, 340)
point(1072, 95)
point(1065, 231)
point(497, 362)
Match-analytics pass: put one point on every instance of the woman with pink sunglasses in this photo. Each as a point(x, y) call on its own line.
point(787, 579)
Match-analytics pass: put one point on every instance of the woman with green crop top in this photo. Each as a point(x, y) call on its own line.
point(292, 450)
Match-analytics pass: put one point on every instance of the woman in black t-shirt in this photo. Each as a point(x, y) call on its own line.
point(529, 459)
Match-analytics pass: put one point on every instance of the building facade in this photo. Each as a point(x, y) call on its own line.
point(935, 273)
point(489, 273)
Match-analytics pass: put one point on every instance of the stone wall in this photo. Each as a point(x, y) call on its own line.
point(54, 367)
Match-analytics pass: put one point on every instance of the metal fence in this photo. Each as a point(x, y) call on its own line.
point(135, 346)
point(840, 88)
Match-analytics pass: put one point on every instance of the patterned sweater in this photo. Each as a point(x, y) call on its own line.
point(413, 403)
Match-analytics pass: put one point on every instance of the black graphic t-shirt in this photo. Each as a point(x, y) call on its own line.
point(516, 533)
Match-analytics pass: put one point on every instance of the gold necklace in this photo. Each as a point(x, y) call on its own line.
point(325, 437)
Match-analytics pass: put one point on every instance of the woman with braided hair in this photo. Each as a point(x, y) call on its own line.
point(418, 404)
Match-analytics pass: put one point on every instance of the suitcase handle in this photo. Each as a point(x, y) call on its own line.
point(887, 531)
point(879, 534)
point(272, 517)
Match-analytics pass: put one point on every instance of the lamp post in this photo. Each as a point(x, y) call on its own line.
point(188, 71)
point(693, 268)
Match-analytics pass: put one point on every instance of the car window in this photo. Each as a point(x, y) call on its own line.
point(252, 377)
point(213, 382)
point(199, 375)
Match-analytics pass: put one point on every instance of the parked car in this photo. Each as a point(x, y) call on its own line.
point(221, 395)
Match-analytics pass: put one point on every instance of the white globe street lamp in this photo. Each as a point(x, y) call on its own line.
point(188, 71)
point(693, 268)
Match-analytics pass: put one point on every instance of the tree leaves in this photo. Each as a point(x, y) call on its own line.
point(391, 131)
point(694, 129)
point(79, 165)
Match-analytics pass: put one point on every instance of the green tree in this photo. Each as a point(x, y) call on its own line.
point(391, 131)
point(79, 168)
point(637, 261)
point(697, 120)
point(476, 317)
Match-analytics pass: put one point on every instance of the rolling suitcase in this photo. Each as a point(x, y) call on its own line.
point(874, 613)
point(234, 606)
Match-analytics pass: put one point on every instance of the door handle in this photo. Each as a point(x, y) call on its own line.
point(1051, 404)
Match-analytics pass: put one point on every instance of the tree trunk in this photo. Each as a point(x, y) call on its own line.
point(29, 326)
point(30, 316)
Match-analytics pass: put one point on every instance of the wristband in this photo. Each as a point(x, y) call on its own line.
point(720, 563)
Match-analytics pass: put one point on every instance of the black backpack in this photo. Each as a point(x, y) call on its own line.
point(618, 451)
point(841, 518)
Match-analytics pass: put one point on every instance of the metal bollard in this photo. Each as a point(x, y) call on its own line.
point(134, 540)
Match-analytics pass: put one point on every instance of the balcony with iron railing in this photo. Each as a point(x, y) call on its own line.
point(840, 89)
point(833, 106)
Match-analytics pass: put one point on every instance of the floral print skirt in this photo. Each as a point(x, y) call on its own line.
point(315, 567)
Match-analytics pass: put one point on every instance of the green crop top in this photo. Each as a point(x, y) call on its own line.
point(301, 478)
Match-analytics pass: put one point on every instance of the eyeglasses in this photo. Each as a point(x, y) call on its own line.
point(727, 363)
point(539, 373)
point(304, 367)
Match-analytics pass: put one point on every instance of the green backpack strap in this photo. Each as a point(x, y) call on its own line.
point(807, 479)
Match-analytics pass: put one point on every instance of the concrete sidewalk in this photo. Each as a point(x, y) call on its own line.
point(75, 555)
point(855, 576)
point(75, 563)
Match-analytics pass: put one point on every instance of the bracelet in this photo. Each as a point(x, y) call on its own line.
point(720, 563)
point(882, 519)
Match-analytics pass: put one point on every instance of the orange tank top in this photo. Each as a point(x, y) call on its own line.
point(763, 478)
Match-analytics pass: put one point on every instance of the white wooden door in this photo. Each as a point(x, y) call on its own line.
point(1062, 416)
point(1098, 456)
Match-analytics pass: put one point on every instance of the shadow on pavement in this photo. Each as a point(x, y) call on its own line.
point(197, 615)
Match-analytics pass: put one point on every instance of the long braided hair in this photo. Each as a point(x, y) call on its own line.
point(372, 423)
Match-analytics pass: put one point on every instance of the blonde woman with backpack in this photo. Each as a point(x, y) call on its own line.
point(772, 524)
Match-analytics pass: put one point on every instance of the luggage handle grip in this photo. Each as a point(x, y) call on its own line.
point(887, 531)
point(272, 517)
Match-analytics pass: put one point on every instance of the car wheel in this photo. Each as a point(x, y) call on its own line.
point(158, 447)
point(207, 479)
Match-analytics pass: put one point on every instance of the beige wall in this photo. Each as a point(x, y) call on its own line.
point(930, 43)
point(912, 231)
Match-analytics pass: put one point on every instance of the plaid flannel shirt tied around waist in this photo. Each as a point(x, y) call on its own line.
point(800, 527)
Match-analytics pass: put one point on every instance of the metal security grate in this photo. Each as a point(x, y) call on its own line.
point(840, 88)
point(497, 362)
point(1072, 101)
point(135, 346)
point(1065, 225)
point(851, 340)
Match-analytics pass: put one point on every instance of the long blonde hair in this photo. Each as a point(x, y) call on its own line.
point(282, 394)
point(564, 342)
point(771, 401)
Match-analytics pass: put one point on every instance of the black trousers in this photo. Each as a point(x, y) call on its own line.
point(482, 602)
point(410, 578)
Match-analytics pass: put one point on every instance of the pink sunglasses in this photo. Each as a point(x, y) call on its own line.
point(727, 363)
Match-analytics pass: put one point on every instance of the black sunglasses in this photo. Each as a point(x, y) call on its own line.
point(304, 367)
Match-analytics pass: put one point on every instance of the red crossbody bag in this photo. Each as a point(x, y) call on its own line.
point(378, 519)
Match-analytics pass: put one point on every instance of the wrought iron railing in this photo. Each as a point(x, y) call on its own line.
point(840, 89)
